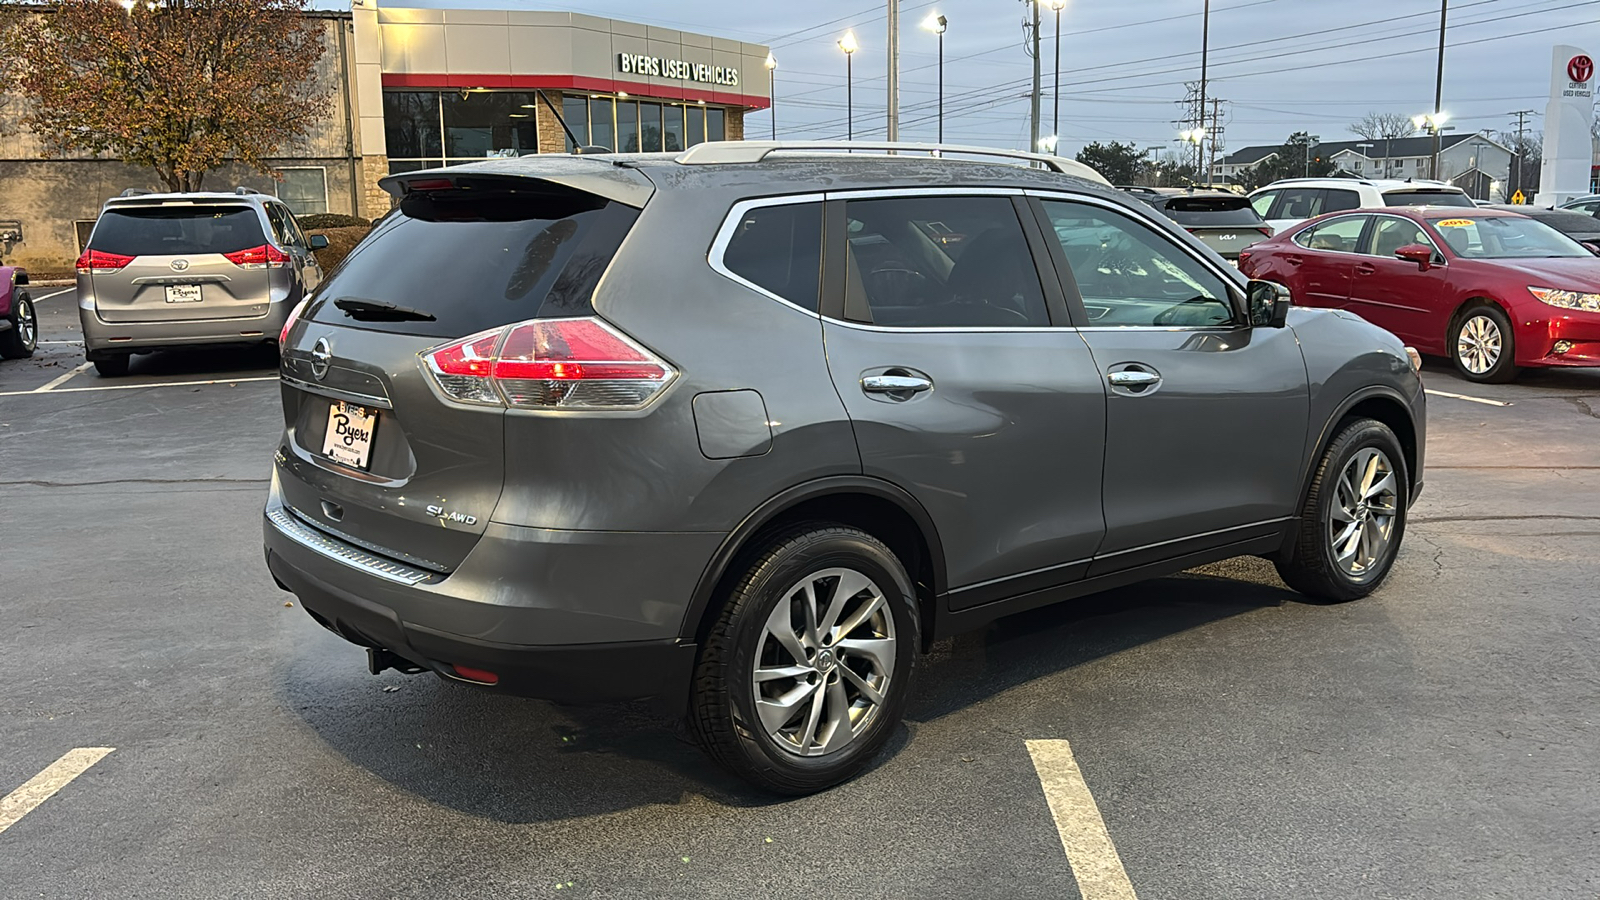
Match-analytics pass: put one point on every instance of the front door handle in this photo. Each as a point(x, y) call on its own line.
point(895, 384)
point(1366, 269)
point(1134, 379)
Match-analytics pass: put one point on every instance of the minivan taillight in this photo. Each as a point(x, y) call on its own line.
point(549, 364)
point(99, 262)
point(265, 256)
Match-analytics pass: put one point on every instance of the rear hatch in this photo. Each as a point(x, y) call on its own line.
point(415, 474)
point(181, 260)
point(1226, 224)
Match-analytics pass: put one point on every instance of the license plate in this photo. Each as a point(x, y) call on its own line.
point(183, 293)
point(349, 435)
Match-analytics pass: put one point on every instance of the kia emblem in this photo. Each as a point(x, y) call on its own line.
point(178, 265)
point(321, 357)
point(1580, 68)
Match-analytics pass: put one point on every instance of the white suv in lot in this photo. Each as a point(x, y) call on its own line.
point(1291, 201)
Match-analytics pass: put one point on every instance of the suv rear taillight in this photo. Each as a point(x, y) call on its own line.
point(99, 262)
point(265, 256)
point(294, 314)
point(549, 364)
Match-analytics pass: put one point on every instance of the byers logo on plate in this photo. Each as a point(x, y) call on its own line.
point(1580, 68)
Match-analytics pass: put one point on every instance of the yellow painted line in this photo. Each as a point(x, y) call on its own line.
point(1468, 399)
point(61, 379)
point(134, 387)
point(44, 785)
point(1093, 858)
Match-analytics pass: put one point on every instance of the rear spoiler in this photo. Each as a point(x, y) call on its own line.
point(623, 185)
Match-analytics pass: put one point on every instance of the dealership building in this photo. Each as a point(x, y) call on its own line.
point(415, 88)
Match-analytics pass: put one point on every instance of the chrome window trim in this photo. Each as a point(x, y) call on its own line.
point(1438, 254)
point(893, 193)
point(719, 244)
point(1351, 214)
point(335, 393)
point(951, 329)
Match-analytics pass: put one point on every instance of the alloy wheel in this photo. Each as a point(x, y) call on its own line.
point(27, 325)
point(1478, 344)
point(824, 662)
point(1361, 521)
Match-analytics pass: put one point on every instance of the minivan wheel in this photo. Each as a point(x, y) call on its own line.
point(804, 675)
point(22, 338)
point(1354, 516)
point(114, 366)
point(1482, 345)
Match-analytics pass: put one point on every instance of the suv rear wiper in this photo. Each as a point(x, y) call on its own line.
point(370, 310)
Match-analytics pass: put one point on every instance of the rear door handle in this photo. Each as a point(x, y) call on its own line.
point(895, 384)
point(1134, 379)
point(1366, 269)
point(1293, 260)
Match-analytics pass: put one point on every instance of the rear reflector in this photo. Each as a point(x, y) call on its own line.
point(265, 256)
point(549, 364)
point(99, 262)
point(478, 675)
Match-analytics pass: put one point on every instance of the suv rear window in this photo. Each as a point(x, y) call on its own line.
point(1427, 198)
point(480, 260)
point(175, 230)
point(1211, 211)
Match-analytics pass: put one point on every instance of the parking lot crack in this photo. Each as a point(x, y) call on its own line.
point(1584, 407)
point(1438, 555)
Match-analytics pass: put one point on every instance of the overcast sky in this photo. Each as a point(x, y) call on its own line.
point(1282, 65)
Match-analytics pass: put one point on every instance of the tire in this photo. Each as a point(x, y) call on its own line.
point(1328, 561)
point(1482, 345)
point(113, 366)
point(790, 754)
point(22, 338)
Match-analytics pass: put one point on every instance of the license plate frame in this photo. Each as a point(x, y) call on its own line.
point(349, 435)
point(183, 293)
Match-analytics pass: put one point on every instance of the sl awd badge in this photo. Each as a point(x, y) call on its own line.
point(443, 515)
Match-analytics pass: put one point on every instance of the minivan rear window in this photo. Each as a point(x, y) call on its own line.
point(1427, 198)
point(479, 260)
point(175, 230)
point(1193, 211)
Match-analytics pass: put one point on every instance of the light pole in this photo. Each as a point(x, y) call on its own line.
point(1055, 122)
point(1195, 136)
point(1388, 151)
point(1155, 163)
point(1315, 139)
point(849, 46)
point(772, 92)
point(1438, 88)
point(937, 24)
point(1433, 123)
point(894, 70)
point(1363, 148)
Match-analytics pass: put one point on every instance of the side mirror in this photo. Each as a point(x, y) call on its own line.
point(1269, 304)
point(1421, 254)
point(318, 241)
point(1592, 246)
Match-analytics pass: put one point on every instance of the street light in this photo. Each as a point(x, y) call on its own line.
point(772, 92)
point(1433, 123)
point(1195, 136)
point(849, 46)
point(1056, 120)
point(1315, 139)
point(937, 24)
point(1049, 142)
point(1364, 147)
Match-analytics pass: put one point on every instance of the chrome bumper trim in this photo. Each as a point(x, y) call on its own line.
point(337, 550)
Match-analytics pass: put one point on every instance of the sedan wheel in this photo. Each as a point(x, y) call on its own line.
point(23, 337)
point(1482, 345)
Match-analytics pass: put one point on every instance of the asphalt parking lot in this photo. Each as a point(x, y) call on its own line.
point(1436, 740)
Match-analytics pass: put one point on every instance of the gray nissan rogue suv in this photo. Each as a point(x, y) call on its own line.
point(746, 429)
point(165, 271)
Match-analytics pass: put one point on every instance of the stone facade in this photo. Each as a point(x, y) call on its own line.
point(735, 124)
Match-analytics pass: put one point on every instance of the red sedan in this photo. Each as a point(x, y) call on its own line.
point(1494, 291)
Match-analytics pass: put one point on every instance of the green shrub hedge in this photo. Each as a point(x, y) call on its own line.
point(329, 220)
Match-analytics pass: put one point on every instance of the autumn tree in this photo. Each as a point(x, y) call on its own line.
point(179, 86)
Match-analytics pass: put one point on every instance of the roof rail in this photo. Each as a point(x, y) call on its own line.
point(746, 152)
point(244, 190)
point(135, 192)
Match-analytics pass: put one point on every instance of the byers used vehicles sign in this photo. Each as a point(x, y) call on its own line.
point(682, 70)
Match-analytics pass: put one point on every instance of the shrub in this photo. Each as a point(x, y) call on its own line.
point(329, 220)
point(340, 242)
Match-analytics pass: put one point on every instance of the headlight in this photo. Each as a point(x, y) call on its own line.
point(1567, 299)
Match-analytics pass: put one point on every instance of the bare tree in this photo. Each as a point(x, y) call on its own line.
point(1381, 126)
point(1527, 154)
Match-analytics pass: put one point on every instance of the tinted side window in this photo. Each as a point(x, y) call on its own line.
point(779, 249)
point(1129, 275)
point(1263, 202)
point(940, 262)
point(1339, 200)
point(1300, 203)
point(168, 230)
point(1342, 235)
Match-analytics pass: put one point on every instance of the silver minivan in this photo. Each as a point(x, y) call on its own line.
point(167, 271)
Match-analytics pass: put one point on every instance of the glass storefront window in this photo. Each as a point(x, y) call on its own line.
point(483, 124)
point(575, 111)
point(627, 127)
point(672, 128)
point(697, 124)
point(716, 127)
point(411, 124)
point(601, 131)
point(650, 127)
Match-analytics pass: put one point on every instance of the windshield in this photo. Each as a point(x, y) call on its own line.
point(174, 230)
point(1224, 211)
point(1506, 237)
point(1427, 198)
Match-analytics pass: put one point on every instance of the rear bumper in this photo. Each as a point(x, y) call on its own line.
point(100, 336)
point(555, 615)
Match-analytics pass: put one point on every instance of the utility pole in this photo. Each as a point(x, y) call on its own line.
point(1033, 40)
point(1205, 50)
point(894, 70)
point(1438, 89)
point(1516, 153)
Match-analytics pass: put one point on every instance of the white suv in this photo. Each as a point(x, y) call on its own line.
point(1291, 201)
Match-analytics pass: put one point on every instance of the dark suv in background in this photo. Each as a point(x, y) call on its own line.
point(746, 429)
point(1223, 221)
point(166, 271)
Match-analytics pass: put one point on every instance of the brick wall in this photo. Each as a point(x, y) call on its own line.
point(375, 201)
point(735, 124)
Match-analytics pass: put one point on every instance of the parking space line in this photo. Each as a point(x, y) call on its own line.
point(1090, 853)
point(44, 785)
point(134, 387)
point(60, 379)
point(54, 294)
point(1468, 399)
